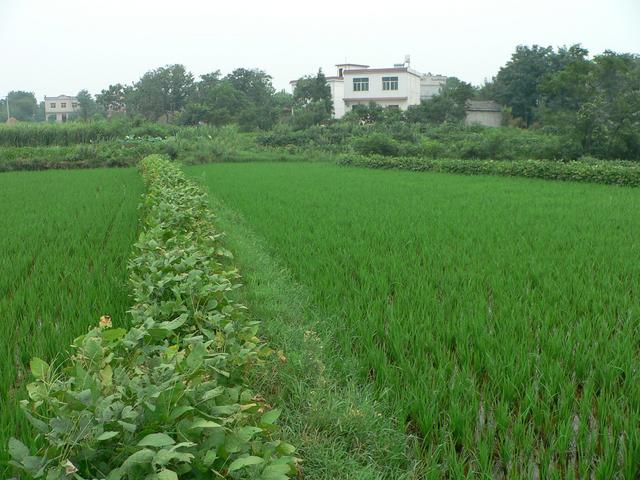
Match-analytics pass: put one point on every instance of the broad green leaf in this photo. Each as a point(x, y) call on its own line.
point(270, 417)
point(275, 472)
point(167, 475)
point(196, 357)
point(106, 436)
point(39, 367)
point(245, 462)
point(156, 440)
point(202, 423)
point(113, 334)
point(179, 411)
point(286, 448)
point(209, 458)
point(17, 449)
point(140, 457)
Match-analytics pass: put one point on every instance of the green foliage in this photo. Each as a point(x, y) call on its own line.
point(167, 398)
point(312, 101)
point(87, 106)
point(446, 107)
point(607, 172)
point(376, 143)
point(41, 134)
point(22, 106)
point(160, 93)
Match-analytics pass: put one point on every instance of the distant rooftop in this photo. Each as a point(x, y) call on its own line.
point(483, 106)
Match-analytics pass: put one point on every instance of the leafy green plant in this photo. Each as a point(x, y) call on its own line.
point(167, 398)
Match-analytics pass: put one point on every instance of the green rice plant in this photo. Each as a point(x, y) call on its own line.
point(64, 247)
point(500, 315)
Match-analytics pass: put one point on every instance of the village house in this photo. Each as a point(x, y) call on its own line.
point(397, 87)
point(483, 112)
point(60, 108)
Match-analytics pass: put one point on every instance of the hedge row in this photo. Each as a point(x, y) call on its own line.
point(606, 172)
point(168, 398)
point(43, 134)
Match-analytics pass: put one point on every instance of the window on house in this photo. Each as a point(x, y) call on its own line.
point(394, 107)
point(389, 83)
point(74, 104)
point(53, 105)
point(360, 84)
point(63, 105)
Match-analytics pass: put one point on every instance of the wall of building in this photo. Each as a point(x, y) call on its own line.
point(64, 106)
point(408, 92)
point(488, 119)
point(337, 95)
point(430, 85)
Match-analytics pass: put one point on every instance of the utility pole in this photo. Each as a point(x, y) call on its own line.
point(8, 114)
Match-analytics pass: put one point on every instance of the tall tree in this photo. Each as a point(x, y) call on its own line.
point(260, 112)
point(22, 105)
point(113, 99)
point(86, 105)
point(448, 106)
point(516, 84)
point(161, 92)
point(312, 100)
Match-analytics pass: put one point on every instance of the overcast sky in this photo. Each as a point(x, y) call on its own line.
point(62, 46)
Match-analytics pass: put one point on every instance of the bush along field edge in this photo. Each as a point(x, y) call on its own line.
point(169, 398)
point(605, 172)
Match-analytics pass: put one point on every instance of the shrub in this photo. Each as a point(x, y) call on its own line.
point(376, 143)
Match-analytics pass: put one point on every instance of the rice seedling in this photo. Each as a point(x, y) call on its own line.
point(500, 314)
point(66, 239)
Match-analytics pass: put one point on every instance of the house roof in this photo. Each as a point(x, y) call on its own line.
point(358, 71)
point(60, 97)
point(351, 65)
point(483, 106)
point(374, 99)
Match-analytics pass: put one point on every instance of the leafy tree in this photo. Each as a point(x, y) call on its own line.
point(113, 99)
point(260, 111)
point(215, 102)
point(87, 106)
point(597, 102)
point(448, 106)
point(160, 92)
point(22, 105)
point(312, 102)
point(516, 84)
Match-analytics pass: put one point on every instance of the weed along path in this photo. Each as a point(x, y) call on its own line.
point(498, 315)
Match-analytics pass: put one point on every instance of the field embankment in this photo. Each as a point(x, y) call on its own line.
point(499, 315)
point(593, 171)
point(169, 396)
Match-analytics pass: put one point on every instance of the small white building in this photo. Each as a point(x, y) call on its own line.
point(397, 87)
point(60, 108)
point(483, 112)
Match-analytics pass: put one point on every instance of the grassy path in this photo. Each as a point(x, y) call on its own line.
point(341, 427)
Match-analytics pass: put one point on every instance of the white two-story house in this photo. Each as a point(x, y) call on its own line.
point(396, 87)
point(60, 108)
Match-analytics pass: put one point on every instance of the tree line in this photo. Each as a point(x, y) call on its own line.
point(593, 100)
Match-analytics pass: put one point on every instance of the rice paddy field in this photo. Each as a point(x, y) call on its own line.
point(501, 314)
point(66, 239)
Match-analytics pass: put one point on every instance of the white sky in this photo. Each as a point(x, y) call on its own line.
point(62, 46)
